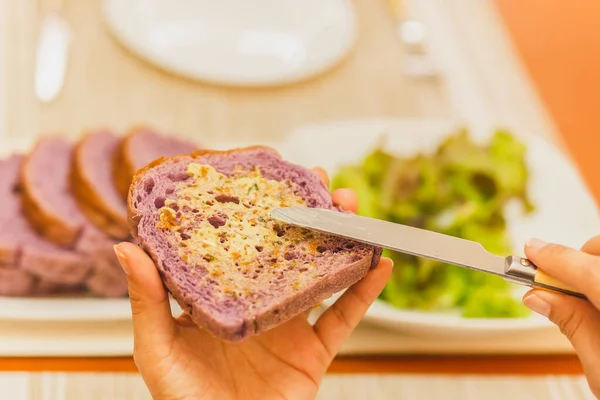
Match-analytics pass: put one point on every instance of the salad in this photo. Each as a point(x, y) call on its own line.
point(460, 190)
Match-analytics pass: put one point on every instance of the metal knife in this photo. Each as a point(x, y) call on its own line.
point(52, 52)
point(422, 243)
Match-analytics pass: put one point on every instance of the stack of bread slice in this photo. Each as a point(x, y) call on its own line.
point(64, 208)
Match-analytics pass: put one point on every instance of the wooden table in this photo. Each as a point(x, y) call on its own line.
point(108, 86)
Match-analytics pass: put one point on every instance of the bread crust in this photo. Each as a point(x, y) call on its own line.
point(104, 217)
point(46, 224)
point(8, 255)
point(123, 169)
point(277, 313)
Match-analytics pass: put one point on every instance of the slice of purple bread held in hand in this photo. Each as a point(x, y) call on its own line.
point(204, 220)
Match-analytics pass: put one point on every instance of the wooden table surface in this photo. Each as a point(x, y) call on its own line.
point(108, 86)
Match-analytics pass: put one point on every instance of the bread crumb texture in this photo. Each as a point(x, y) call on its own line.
point(222, 223)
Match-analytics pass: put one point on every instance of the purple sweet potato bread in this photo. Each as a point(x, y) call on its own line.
point(139, 147)
point(92, 183)
point(52, 210)
point(204, 220)
point(15, 282)
point(29, 264)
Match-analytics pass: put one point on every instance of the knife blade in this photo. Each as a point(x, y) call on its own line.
point(421, 243)
point(52, 53)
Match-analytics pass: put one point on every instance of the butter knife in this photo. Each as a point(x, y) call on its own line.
point(52, 52)
point(422, 243)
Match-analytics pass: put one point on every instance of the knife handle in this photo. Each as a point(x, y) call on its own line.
point(525, 272)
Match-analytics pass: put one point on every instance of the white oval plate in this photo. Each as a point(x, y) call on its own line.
point(566, 212)
point(64, 309)
point(236, 42)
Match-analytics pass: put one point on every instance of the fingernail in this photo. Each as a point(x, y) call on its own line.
point(388, 260)
point(536, 244)
point(122, 259)
point(537, 305)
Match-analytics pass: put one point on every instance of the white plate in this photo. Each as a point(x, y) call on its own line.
point(236, 42)
point(68, 309)
point(566, 212)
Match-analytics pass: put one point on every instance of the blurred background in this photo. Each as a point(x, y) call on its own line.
point(475, 118)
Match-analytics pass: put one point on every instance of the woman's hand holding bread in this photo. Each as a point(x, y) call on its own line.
point(179, 360)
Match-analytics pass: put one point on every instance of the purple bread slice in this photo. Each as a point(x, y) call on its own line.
point(32, 259)
point(204, 220)
point(107, 277)
point(141, 146)
point(46, 197)
point(93, 187)
point(50, 208)
point(15, 282)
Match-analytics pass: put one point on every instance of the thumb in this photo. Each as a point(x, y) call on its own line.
point(153, 323)
point(578, 320)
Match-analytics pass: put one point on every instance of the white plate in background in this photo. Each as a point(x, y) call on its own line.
point(236, 42)
point(565, 213)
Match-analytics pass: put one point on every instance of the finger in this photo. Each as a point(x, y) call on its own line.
point(150, 309)
point(185, 320)
point(592, 246)
point(322, 174)
point(338, 322)
point(578, 320)
point(345, 198)
point(576, 268)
